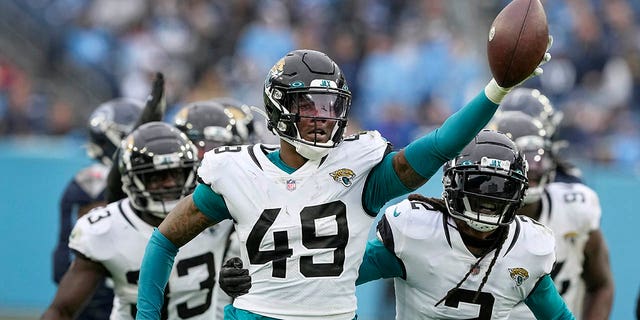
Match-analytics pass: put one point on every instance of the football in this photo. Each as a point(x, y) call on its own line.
point(517, 41)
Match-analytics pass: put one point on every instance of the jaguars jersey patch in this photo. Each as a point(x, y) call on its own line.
point(519, 275)
point(344, 176)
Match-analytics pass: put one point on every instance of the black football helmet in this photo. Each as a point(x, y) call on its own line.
point(485, 184)
point(152, 154)
point(531, 138)
point(306, 84)
point(534, 104)
point(242, 115)
point(209, 125)
point(109, 124)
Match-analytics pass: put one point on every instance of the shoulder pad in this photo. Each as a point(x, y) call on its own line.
point(97, 221)
point(371, 137)
point(538, 239)
point(413, 218)
point(92, 179)
point(215, 160)
point(91, 235)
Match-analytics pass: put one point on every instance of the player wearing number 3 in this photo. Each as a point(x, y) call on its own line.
point(303, 210)
point(158, 165)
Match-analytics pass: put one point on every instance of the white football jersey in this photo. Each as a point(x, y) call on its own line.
point(435, 259)
point(303, 234)
point(572, 211)
point(116, 237)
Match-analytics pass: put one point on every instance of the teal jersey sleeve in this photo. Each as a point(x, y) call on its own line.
point(427, 154)
point(210, 203)
point(378, 263)
point(383, 184)
point(154, 274)
point(546, 303)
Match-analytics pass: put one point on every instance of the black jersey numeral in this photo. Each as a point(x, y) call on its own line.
point(574, 196)
point(485, 300)
point(183, 267)
point(95, 217)
point(310, 240)
point(227, 149)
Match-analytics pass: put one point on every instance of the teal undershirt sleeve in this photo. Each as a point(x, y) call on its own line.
point(546, 303)
point(383, 184)
point(154, 274)
point(427, 154)
point(210, 203)
point(378, 263)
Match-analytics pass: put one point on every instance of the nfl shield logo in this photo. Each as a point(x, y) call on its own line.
point(291, 184)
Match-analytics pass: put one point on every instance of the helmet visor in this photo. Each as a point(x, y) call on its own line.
point(318, 105)
point(493, 186)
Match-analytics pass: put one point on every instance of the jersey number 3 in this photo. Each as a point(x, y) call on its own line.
point(310, 240)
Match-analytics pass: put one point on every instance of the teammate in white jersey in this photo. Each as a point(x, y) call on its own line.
point(572, 210)
point(466, 256)
point(303, 209)
point(158, 165)
point(108, 124)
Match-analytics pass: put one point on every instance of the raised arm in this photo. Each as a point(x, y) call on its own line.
point(154, 110)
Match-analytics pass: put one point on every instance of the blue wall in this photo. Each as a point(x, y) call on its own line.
point(34, 173)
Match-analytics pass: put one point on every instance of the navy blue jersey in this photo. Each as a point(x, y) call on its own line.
point(85, 189)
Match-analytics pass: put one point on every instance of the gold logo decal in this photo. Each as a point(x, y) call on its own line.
point(519, 275)
point(343, 176)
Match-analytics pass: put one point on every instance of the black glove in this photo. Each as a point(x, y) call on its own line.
point(156, 104)
point(234, 280)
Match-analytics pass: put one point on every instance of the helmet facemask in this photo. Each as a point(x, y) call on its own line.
point(313, 120)
point(485, 196)
point(158, 168)
point(152, 195)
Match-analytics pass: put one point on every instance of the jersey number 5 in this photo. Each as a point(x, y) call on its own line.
point(310, 240)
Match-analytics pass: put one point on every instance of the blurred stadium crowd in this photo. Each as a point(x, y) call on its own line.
point(410, 63)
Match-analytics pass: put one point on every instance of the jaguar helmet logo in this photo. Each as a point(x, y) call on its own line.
point(344, 176)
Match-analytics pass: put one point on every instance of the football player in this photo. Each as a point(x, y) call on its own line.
point(533, 103)
point(303, 210)
point(158, 164)
point(107, 125)
point(467, 255)
point(582, 273)
point(210, 124)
